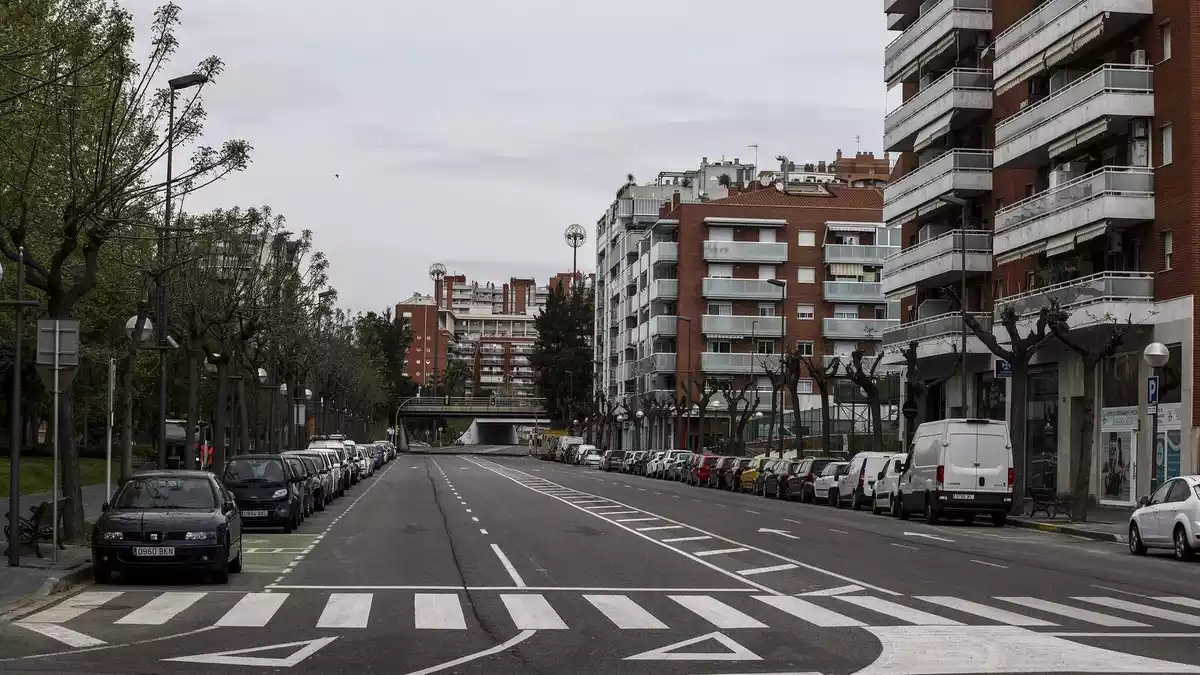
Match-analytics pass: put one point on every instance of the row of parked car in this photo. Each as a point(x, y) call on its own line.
point(957, 468)
point(179, 520)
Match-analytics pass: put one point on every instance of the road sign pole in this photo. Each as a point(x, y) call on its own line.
point(1152, 409)
point(54, 494)
point(112, 384)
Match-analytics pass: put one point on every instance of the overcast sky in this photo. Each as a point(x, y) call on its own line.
point(471, 132)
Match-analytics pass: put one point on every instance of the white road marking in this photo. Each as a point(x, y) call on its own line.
point(346, 610)
point(660, 527)
point(1147, 610)
point(508, 567)
point(616, 513)
point(161, 609)
point(1073, 612)
point(720, 551)
point(636, 520)
point(764, 570)
point(671, 652)
point(482, 531)
point(676, 540)
point(983, 562)
point(928, 536)
point(851, 588)
point(807, 611)
point(911, 548)
point(1181, 601)
point(474, 519)
point(63, 634)
point(838, 531)
point(237, 657)
point(532, 612)
point(470, 511)
point(754, 512)
point(73, 607)
point(716, 612)
point(624, 612)
point(438, 611)
point(254, 610)
point(505, 646)
point(986, 611)
point(1117, 590)
point(798, 522)
point(898, 611)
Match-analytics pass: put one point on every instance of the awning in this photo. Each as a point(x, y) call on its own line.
point(1091, 231)
point(845, 269)
point(1070, 142)
point(1071, 44)
point(844, 226)
point(930, 134)
point(1063, 243)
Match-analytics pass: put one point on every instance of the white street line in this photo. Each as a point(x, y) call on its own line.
point(474, 519)
point(807, 611)
point(660, 527)
point(984, 562)
point(161, 609)
point(911, 548)
point(1147, 610)
point(764, 570)
point(438, 611)
point(624, 612)
point(73, 607)
point(824, 592)
point(508, 567)
point(754, 512)
point(897, 611)
point(482, 531)
point(720, 551)
point(532, 612)
point(616, 513)
point(503, 647)
point(1136, 595)
point(62, 634)
point(346, 610)
point(1181, 601)
point(679, 539)
point(1076, 613)
point(1190, 636)
point(838, 531)
point(716, 612)
point(636, 520)
point(610, 506)
point(254, 610)
point(798, 522)
point(986, 611)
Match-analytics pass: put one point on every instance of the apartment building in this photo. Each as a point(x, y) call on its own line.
point(1037, 163)
point(862, 170)
point(719, 289)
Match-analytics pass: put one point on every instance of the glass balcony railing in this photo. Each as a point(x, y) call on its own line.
point(927, 30)
point(714, 363)
point(664, 289)
point(854, 291)
point(858, 253)
point(746, 251)
point(857, 329)
point(941, 326)
point(664, 252)
point(927, 182)
point(1117, 181)
point(1106, 78)
point(742, 326)
point(740, 289)
point(930, 103)
point(1089, 290)
point(661, 363)
point(976, 241)
point(664, 324)
point(1061, 18)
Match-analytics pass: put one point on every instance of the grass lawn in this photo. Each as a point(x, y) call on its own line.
point(37, 474)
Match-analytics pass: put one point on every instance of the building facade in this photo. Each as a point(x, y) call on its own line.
point(1037, 168)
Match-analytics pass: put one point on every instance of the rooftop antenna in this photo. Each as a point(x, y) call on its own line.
point(755, 146)
point(857, 144)
point(575, 235)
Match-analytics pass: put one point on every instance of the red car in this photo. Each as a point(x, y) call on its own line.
point(700, 470)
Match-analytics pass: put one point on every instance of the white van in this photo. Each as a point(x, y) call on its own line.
point(961, 467)
point(858, 488)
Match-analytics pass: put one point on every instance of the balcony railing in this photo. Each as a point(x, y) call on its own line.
point(746, 251)
point(944, 326)
point(1108, 181)
point(950, 171)
point(740, 289)
point(741, 326)
point(858, 329)
point(858, 253)
point(928, 29)
point(960, 87)
point(661, 363)
point(714, 363)
point(664, 252)
point(664, 289)
point(854, 291)
point(1076, 293)
point(1054, 20)
point(663, 324)
point(914, 264)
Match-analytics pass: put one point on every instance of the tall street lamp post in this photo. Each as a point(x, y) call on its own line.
point(783, 317)
point(1156, 355)
point(688, 385)
point(575, 236)
point(437, 272)
point(14, 410)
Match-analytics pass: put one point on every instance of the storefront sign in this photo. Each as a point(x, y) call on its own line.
point(1117, 453)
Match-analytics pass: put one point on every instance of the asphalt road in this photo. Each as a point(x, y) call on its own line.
point(475, 564)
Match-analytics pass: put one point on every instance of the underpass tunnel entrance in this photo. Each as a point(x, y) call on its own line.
point(494, 433)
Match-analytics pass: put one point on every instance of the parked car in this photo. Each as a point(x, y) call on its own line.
point(760, 480)
point(748, 480)
point(168, 520)
point(612, 460)
point(885, 486)
point(859, 490)
point(303, 488)
point(325, 475)
point(1169, 518)
point(775, 482)
point(717, 477)
point(679, 466)
point(800, 483)
point(734, 480)
point(825, 487)
point(698, 475)
point(263, 485)
point(344, 471)
point(592, 458)
point(959, 466)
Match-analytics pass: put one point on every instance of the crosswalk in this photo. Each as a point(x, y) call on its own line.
point(566, 610)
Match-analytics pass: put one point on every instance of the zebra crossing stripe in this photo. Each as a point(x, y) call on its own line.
point(808, 611)
point(161, 609)
point(254, 610)
point(624, 612)
point(1135, 608)
point(985, 611)
point(898, 611)
point(1076, 613)
point(73, 607)
point(532, 612)
point(716, 612)
point(346, 610)
point(438, 611)
point(720, 551)
point(1181, 601)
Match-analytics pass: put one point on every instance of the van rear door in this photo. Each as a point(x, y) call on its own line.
point(993, 458)
point(960, 459)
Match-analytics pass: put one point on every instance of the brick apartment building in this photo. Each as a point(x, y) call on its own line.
point(716, 288)
point(1037, 144)
point(487, 327)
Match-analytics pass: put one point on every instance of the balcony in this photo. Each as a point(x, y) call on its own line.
point(740, 289)
point(664, 252)
point(936, 336)
point(854, 291)
point(660, 363)
point(1091, 107)
point(1054, 32)
point(953, 100)
point(664, 289)
point(632, 241)
point(712, 363)
point(937, 261)
point(858, 253)
point(901, 13)
point(934, 35)
point(1055, 220)
point(857, 329)
point(1091, 301)
point(915, 196)
point(740, 326)
point(746, 252)
point(663, 324)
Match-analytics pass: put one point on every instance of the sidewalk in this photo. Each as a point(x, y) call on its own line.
point(1104, 523)
point(40, 576)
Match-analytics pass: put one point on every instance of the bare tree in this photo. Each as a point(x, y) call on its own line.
point(705, 389)
point(823, 378)
point(866, 380)
point(778, 381)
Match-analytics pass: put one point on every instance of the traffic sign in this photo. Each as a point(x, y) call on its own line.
point(1003, 369)
point(57, 349)
point(909, 409)
point(1152, 390)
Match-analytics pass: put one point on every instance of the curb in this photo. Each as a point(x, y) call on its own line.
point(52, 586)
point(1069, 529)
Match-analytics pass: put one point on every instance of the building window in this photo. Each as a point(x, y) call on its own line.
point(804, 387)
point(1168, 250)
point(845, 311)
point(766, 346)
point(881, 312)
point(999, 288)
point(720, 308)
point(1166, 139)
point(719, 347)
point(806, 275)
point(718, 271)
point(1164, 33)
point(805, 312)
point(766, 309)
point(804, 347)
point(806, 238)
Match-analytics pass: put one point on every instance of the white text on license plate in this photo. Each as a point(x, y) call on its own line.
point(964, 496)
point(254, 514)
point(152, 551)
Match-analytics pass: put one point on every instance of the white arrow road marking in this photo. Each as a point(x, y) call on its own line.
point(236, 657)
point(520, 637)
point(928, 536)
point(782, 533)
point(736, 651)
point(62, 634)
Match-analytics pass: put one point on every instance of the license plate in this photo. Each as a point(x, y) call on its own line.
point(964, 496)
point(254, 514)
point(154, 551)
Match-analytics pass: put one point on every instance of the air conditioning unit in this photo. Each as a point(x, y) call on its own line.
point(1115, 241)
point(1139, 152)
point(1138, 57)
point(1139, 127)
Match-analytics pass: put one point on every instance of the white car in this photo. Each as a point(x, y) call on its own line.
point(825, 486)
point(592, 458)
point(885, 486)
point(1169, 518)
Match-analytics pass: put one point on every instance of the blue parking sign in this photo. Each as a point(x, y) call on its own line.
point(1152, 390)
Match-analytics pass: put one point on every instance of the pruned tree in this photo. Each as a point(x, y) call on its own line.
point(919, 384)
point(866, 380)
point(656, 408)
point(823, 378)
point(1092, 350)
point(776, 372)
point(703, 390)
point(607, 411)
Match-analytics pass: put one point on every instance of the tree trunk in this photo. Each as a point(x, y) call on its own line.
point(798, 444)
point(219, 428)
point(700, 428)
point(771, 424)
point(193, 410)
point(1083, 462)
point(243, 418)
point(876, 420)
point(68, 460)
point(826, 422)
point(127, 415)
point(1017, 434)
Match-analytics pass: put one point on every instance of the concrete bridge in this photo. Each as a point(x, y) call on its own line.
point(495, 419)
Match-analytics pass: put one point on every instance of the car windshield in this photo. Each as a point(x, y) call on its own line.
point(166, 492)
point(254, 471)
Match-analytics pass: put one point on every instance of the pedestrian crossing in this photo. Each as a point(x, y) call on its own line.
point(567, 610)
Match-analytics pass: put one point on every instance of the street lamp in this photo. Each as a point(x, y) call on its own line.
point(782, 286)
point(686, 421)
point(1156, 355)
point(637, 436)
point(962, 204)
point(437, 272)
point(14, 410)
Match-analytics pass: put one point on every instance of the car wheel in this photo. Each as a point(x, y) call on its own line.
point(221, 574)
point(901, 512)
point(235, 565)
point(101, 574)
point(833, 498)
point(875, 510)
point(855, 502)
point(931, 514)
point(894, 507)
point(999, 519)
point(1136, 546)
point(1183, 550)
